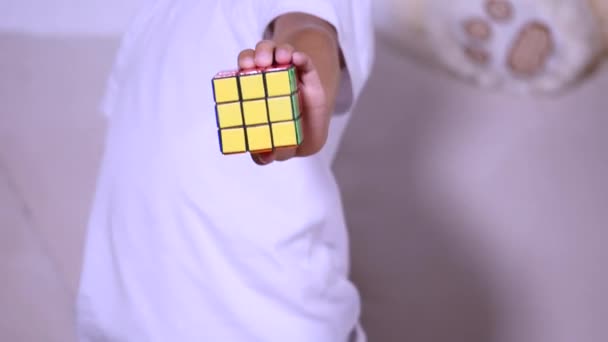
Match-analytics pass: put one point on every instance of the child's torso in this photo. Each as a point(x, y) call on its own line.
point(173, 47)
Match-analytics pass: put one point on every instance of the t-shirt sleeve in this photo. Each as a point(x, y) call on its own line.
point(353, 23)
point(120, 66)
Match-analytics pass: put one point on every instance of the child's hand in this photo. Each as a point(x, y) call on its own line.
point(316, 110)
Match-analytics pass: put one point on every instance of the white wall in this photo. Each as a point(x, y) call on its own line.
point(66, 16)
point(476, 217)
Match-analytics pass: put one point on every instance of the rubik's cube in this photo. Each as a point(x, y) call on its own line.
point(257, 110)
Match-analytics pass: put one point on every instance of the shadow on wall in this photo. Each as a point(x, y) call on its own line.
point(476, 216)
point(419, 279)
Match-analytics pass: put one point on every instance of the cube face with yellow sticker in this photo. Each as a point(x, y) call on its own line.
point(282, 108)
point(233, 140)
point(229, 115)
point(258, 110)
point(255, 112)
point(280, 81)
point(225, 87)
point(259, 138)
point(287, 133)
point(251, 84)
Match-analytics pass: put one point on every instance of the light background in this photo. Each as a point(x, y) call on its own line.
point(475, 217)
point(85, 17)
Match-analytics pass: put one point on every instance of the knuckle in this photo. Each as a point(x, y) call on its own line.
point(265, 44)
point(245, 54)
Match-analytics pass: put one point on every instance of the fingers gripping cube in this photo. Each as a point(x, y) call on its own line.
point(257, 110)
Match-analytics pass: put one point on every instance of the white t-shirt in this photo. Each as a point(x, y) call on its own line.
point(185, 244)
point(246, 22)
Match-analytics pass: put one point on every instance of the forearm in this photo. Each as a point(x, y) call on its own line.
point(318, 39)
point(601, 10)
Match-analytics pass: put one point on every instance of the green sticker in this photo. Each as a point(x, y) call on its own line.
point(292, 79)
point(299, 134)
point(295, 104)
